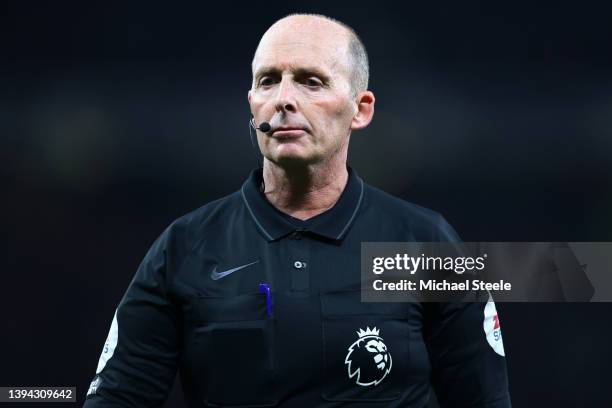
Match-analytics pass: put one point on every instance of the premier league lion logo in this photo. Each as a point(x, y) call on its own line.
point(368, 359)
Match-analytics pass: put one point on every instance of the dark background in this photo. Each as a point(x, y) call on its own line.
point(117, 118)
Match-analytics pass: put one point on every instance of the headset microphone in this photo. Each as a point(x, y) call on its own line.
point(263, 126)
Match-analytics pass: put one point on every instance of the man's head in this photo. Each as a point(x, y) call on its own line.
point(310, 76)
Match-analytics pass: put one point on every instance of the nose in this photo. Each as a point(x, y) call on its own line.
point(285, 98)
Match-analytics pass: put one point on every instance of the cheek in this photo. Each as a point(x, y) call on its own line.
point(260, 104)
point(338, 113)
point(255, 103)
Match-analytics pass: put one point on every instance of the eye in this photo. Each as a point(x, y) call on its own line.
point(266, 81)
point(313, 82)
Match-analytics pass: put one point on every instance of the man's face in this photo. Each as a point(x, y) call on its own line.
point(301, 86)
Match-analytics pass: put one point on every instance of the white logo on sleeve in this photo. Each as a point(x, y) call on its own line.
point(368, 358)
point(93, 387)
point(492, 328)
point(109, 345)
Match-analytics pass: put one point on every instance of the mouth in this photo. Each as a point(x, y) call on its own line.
point(288, 132)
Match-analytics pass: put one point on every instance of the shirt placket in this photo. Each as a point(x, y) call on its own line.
point(299, 261)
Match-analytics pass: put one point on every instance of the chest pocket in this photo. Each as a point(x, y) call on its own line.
point(365, 348)
point(236, 344)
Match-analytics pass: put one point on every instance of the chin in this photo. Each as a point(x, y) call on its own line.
point(291, 154)
point(292, 160)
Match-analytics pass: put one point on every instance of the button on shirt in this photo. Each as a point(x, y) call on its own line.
point(258, 309)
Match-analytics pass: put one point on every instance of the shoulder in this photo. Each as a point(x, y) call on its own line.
point(211, 213)
point(382, 200)
point(425, 224)
point(210, 217)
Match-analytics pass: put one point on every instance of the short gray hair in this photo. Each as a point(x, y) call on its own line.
point(357, 52)
point(361, 65)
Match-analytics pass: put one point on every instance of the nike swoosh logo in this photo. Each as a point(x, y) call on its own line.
point(214, 275)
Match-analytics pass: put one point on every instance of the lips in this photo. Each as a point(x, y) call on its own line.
point(288, 132)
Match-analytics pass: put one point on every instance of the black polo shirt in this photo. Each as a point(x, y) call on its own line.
point(259, 309)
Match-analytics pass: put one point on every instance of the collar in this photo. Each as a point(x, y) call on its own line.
point(274, 224)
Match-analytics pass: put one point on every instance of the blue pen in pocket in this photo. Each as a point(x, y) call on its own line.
point(265, 289)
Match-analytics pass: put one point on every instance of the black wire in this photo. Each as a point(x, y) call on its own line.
point(257, 153)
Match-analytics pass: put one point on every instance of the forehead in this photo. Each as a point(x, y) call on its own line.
point(291, 46)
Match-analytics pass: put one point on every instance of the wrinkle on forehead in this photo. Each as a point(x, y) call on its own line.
point(294, 54)
point(305, 37)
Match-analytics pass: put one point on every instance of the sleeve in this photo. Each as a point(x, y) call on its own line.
point(467, 355)
point(445, 232)
point(465, 348)
point(139, 358)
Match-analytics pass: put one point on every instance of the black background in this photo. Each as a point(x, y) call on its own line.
point(116, 118)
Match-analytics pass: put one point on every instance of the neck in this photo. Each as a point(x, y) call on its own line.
point(304, 191)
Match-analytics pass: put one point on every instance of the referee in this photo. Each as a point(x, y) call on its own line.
point(255, 297)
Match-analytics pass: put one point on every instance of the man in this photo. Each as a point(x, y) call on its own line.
point(256, 297)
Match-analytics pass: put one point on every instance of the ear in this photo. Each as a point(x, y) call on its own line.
point(365, 110)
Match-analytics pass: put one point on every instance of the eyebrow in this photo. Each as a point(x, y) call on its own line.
point(267, 70)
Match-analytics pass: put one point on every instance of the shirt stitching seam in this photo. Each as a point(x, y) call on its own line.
point(354, 212)
point(253, 215)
